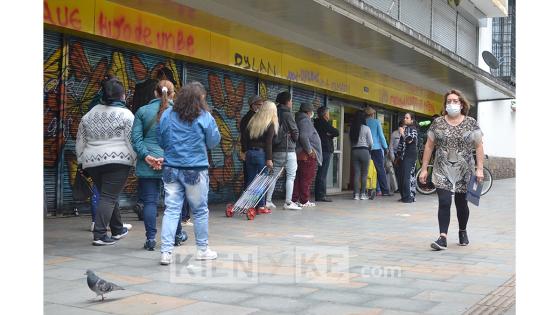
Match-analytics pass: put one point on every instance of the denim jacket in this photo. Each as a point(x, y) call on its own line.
point(146, 144)
point(185, 144)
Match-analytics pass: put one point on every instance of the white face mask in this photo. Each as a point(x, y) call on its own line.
point(453, 110)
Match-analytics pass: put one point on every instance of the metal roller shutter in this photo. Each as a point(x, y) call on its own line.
point(89, 63)
point(306, 96)
point(467, 44)
point(228, 94)
point(444, 30)
point(385, 5)
point(52, 65)
point(416, 14)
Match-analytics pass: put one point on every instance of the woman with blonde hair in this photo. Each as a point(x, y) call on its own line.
point(259, 133)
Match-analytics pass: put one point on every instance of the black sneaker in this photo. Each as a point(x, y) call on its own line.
point(463, 238)
point(179, 239)
point(105, 240)
point(150, 245)
point(440, 244)
point(123, 233)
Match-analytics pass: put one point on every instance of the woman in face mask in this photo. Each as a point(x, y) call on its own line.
point(454, 137)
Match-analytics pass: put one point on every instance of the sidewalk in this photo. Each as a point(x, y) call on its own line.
point(379, 250)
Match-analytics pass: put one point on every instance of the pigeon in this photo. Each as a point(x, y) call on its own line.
point(99, 285)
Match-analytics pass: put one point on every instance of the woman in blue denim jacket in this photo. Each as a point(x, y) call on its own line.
point(186, 131)
point(150, 154)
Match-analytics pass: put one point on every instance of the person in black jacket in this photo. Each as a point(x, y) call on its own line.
point(255, 103)
point(326, 132)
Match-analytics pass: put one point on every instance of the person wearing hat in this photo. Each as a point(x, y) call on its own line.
point(255, 103)
point(309, 154)
point(326, 132)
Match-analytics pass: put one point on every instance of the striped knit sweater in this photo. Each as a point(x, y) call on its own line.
point(104, 137)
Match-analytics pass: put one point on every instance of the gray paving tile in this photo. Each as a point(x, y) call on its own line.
point(275, 303)
point(340, 309)
point(207, 308)
point(218, 296)
point(164, 288)
point(57, 309)
point(281, 290)
point(352, 298)
point(383, 290)
point(402, 304)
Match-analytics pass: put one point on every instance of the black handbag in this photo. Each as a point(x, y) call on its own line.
point(82, 189)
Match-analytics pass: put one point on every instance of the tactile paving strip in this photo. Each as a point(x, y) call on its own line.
point(497, 302)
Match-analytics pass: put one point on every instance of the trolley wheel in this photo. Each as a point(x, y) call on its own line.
point(229, 210)
point(251, 212)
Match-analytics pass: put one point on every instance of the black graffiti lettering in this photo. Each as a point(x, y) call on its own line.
point(238, 59)
point(253, 67)
point(247, 63)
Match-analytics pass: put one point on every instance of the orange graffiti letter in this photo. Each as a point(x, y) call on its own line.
point(75, 20)
point(47, 16)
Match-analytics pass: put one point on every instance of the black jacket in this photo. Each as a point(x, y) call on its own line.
point(287, 125)
point(326, 132)
point(243, 126)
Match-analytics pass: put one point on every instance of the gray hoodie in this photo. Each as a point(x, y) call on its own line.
point(308, 137)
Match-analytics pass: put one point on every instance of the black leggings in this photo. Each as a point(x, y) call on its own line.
point(444, 211)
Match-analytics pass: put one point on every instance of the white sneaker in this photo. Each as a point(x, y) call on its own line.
point(92, 226)
point(291, 206)
point(364, 197)
point(356, 197)
point(127, 226)
point(270, 205)
point(299, 204)
point(187, 223)
point(308, 204)
point(208, 254)
point(165, 258)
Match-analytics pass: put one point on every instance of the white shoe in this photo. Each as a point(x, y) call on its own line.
point(291, 206)
point(270, 205)
point(165, 258)
point(357, 197)
point(128, 226)
point(187, 223)
point(299, 204)
point(363, 197)
point(308, 204)
point(92, 226)
point(208, 254)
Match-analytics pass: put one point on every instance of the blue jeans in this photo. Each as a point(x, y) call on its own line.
point(378, 158)
point(321, 179)
point(178, 184)
point(254, 162)
point(149, 192)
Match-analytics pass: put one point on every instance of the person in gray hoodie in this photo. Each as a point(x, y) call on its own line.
point(309, 154)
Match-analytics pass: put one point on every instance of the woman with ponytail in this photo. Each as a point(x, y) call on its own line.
point(150, 157)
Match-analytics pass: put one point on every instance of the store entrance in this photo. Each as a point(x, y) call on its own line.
point(347, 172)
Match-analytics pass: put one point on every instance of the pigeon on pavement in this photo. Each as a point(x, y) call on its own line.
point(99, 285)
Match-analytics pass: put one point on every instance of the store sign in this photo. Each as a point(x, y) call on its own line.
point(76, 15)
point(126, 24)
point(121, 23)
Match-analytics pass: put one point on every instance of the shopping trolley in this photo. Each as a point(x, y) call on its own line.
point(257, 190)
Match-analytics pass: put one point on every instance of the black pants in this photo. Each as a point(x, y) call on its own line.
point(321, 178)
point(406, 175)
point(109, 180)
point(444, 210)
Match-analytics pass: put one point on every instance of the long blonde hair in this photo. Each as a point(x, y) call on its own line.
point(262, 119)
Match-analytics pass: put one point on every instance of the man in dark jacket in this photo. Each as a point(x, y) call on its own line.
point(255, 103)
point(326, 132)
point(309, 154)
point(284, 149)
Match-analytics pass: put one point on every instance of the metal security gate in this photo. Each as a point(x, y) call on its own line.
point(467, 40)
point(52, 131)
point(444, 29)
point(87, 64)
point(227, 95)
point(416, 14)
point(389, 7)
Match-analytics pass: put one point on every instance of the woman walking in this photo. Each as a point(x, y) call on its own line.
point(104, 149)
point(454, 137)
point(186, 132)
point(150, 155)
point(362, 143)
point(408, 154)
